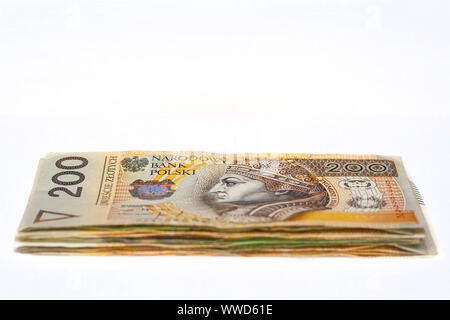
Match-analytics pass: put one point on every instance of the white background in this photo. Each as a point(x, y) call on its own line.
point(227, 76)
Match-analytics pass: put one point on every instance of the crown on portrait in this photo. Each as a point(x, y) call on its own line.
point(276, 174)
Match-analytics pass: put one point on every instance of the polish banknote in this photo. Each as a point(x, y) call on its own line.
point(200, 203)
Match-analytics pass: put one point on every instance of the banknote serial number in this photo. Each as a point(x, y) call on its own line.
point(68, 177)
point(225, 309)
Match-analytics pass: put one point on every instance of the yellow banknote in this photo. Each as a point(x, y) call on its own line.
point(205, 195)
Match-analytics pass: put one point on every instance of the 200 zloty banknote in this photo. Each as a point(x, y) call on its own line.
point(152, 199)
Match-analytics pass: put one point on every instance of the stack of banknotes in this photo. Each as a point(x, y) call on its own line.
point(200, 203)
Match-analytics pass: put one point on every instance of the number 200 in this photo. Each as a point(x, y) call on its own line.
point(79, 177)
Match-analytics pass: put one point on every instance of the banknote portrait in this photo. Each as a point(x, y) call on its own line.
point(267, 191)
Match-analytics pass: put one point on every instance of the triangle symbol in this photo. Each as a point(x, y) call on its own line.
point(52, 216)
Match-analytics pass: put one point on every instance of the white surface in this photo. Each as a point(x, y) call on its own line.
point(226, 76)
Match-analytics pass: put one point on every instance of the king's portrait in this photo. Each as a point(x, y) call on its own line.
point(267, 190)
